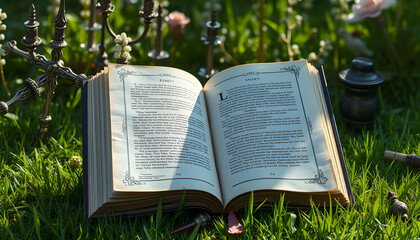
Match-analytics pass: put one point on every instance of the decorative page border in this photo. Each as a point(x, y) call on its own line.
point(295, 70)
point(128, 179)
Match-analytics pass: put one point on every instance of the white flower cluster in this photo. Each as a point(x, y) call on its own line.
point(85, 13)
point(292, 21)
point(122, 49)
point(3, 16)
point(298, 20)
point(339, 9)
point(324, 48)
point(75, 161)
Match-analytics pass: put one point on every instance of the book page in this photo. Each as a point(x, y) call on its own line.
point(160, 133)
point(267, 130)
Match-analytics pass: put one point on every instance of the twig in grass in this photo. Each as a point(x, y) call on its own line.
point(227, 54)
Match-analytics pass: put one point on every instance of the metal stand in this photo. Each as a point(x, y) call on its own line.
point(53, 69)
point(91, 27)
point(158, 54)
point(106, 7)
point(211, 40)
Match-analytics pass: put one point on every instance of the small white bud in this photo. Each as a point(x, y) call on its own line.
point(118, 39)
point(126, 55)
point(2, 62)
point(3, 16)
point(298, 19)
point(118, 48)
point(295, 49)
point(127, 48)
point(312, 57)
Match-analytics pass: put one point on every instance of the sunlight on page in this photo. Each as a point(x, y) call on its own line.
point(160, 134)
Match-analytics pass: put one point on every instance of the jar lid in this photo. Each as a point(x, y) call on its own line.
point(362, 72)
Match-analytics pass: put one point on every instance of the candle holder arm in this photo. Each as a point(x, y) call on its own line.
point(33, 58)
point(67, 73)
point(109, 29)
point(32, 87)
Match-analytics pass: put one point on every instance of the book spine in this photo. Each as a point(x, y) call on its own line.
point(84, 146)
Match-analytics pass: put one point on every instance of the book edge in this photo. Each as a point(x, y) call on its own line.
point(336, 135)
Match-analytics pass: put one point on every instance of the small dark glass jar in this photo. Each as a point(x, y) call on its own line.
point(360, 102)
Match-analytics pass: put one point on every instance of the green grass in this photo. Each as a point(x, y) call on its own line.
point(41, 193)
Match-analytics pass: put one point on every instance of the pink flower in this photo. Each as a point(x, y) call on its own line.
point(368, 9)
point(177, 22)
point(234, 226)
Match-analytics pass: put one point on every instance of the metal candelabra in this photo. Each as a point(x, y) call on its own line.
point(158, 54)
point(106, 7)
point(210, 40)
point(91, 27)
point(54, 69)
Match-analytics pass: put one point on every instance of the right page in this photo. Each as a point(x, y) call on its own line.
point(269, 130)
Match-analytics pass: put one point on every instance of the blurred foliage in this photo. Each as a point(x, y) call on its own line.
point(240, 32)
point(41, 194)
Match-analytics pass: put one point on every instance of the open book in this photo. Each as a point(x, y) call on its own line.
point(154, 133)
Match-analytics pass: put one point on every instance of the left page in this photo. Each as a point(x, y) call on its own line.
point(160, 132)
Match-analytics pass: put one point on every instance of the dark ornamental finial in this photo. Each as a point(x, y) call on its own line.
point(58, 41)
point(105, 6)
point(210, 40)
point(213, 17)
point(398, 208)
point(212, 27)
point(158, 54)
point(31, 39)
point(147, 13)
point(32, 15)
point(60, 22)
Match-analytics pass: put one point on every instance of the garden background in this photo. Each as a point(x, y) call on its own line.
point(41, 188)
